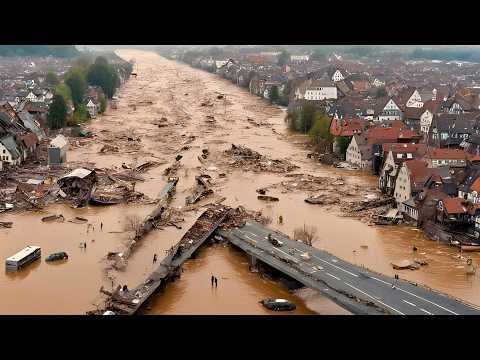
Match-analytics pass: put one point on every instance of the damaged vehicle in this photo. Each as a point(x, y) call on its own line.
point(278, 304)
point(57, 256)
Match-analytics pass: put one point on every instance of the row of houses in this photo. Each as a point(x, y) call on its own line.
point(20, 134)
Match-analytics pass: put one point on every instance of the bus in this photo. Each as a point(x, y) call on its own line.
point(23, 257)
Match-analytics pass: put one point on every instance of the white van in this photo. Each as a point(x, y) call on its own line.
point(23, 257)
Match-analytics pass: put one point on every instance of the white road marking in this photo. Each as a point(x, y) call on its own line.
point(374, 298)
point(409, 303)
point(338, 267)
point(333, 276)
point(429, 313)
point(419, 297)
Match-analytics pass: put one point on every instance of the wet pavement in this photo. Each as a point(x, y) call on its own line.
point(160, 91)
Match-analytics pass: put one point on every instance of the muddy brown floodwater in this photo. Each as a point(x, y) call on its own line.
point(165, 89)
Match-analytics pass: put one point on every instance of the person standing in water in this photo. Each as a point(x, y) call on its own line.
point(212, 279)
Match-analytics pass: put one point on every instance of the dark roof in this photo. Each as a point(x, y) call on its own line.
point(11, 145)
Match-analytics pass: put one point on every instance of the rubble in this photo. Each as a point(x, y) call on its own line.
point(146, 166)
point(239, 216)
point(248, 159)
point(202, 190)
point(78, 185)
point(6, 224)
point(107, 148)
point(405, 264)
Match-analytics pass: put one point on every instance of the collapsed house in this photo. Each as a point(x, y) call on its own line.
point(78, 185)
point(57, 150)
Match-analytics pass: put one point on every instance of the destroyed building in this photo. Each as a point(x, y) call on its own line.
point(57, 150)
point(78, 185)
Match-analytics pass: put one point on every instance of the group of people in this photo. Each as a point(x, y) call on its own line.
point(93, 227)
point(214, 280)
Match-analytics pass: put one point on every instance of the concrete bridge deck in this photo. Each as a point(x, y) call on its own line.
point(358, 290)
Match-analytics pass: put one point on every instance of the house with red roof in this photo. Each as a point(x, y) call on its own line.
point(437, 157)
point(394, 155)
point(453, 211)
point(348, 126)
point(411, 179)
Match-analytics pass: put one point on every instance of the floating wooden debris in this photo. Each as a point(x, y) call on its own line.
point(267, 198)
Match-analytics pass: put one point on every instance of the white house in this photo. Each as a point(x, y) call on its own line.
point(337, 76)
point(390, 112)
point(32, 97)
point(320, 90)
point(9, 151)
point(299, 58)
point(92, 109)
point(378, 83)
point(415, 100)
point(425, 121)
point(359, 153)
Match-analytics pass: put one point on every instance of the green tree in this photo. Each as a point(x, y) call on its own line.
point(103, 103)
point(57, 114)
point(52, 79)
point(64, 91)
point(283, 58)
point(307, 118)
point(83, 62)
point(77, 84)
point(274, 96)
point(104, 75)
point(80, 114)
point(320, 130)
point(343, 142)
point(292, 119)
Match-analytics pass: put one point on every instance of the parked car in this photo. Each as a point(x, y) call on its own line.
point(57, 256)
point(278, 304)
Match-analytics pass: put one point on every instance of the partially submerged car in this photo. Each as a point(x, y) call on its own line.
point(278, 304)
point(57, 256)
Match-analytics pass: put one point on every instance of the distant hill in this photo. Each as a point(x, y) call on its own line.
point(63, 51)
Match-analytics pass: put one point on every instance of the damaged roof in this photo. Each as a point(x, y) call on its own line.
point(11, 146)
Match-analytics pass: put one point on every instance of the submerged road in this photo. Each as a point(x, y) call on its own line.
point(355, 288)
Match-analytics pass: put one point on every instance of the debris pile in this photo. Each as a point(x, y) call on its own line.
point(246, 158)
point(78, 186)
point(202, 190)
point(239, 216)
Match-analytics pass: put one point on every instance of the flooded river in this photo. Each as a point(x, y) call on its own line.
point(165, 89)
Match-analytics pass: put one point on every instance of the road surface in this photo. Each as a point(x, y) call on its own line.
point(344, 282)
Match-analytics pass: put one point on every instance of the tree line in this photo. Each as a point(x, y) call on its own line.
point(85, 72)
point(62, 51)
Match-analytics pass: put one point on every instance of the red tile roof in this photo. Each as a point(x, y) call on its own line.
point(379, 135)
point(433, 105)
point(455, 205)
point(403, 147)
point(419, 173)
point(450, 154)
point(347, 126)
point(475, 185)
